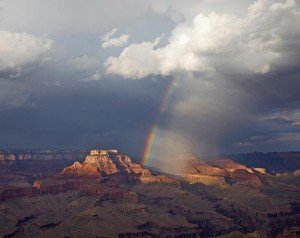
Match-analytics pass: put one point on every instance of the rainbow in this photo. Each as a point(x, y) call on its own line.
point(167, 96)
point(149, 144)
point(154, 129)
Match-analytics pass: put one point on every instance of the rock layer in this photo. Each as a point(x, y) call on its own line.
point(108, 195)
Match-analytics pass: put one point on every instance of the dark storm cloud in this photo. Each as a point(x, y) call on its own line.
point(239, 114)
point(106, 113)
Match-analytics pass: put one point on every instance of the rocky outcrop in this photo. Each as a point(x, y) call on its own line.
point(102, 162)
point(126, 165)
point(297, 173)
point(243, 176)
point(154, 229)
point(221, 172)
point(78, 169)
point(100, 168)
point(116, 167)
point(159, 179)
point(202, 172)
point(118, 196)
point(269, 223)
point(2, 158)
point(37, 184)
point(293, 232)
point(205, 179)
point(205, 168)
point(229, 165)
point(260, 170)
point(12, 192)
point(13, 180)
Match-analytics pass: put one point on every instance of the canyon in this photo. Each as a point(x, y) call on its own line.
point(103, 193)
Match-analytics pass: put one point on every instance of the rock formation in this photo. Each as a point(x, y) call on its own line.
point(106, 194)
point(104, 163)
point(220, 172)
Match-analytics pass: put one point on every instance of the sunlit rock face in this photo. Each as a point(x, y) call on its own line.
point(102, 163)
point(78, 169)
point(96, 164)
point(243, 176)
point(220, 172)
point(229, 165)
point(297, 173)
point(260, 170)
point(11, 157)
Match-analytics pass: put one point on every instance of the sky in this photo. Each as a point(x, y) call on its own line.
point(150, 77)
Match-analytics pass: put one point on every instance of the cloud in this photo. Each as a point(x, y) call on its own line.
point(136, 61)
point(175, 9)
point(21, 50)
point(93, 77)
point(87, 66)
point(235, 65)
point(259, 42)
point(240, 67)
point(14, 95)
point(96, 76)
point(108, 40)
point(84, 63)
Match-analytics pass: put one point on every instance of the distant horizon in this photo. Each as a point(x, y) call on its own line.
point(110, 148)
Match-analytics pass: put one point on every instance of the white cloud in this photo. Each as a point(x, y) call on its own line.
point(136, 61)
point(108, 40)
point(255, 43)
point(265, 69)
point(96, 76)
point(92, 77)
point(19, 50)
